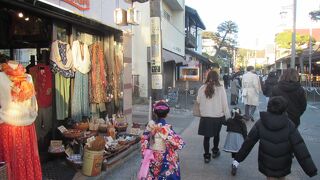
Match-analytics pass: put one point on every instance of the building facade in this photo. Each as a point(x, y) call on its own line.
point(173, 52)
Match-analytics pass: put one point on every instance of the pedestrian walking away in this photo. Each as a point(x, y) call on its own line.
point(290, 88)
point(235, 86)
point(269, 83)
point(159, 145)
point(214, 110)
point(250, 91)
point(237, 132)
point(278, 140)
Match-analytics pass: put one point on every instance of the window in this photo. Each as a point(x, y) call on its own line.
point(166, 15)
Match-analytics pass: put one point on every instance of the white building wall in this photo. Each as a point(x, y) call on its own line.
point(172, 40)
point(140, 43)
point(100, 10)
point(173, 31)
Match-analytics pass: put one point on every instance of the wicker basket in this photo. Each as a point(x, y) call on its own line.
point(121, 128)
point(103, 128)
point(3, 171)
point(81, 126)
point(72, 133)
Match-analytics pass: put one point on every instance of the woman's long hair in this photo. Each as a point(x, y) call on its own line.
point(290, 75)
point(211, 81)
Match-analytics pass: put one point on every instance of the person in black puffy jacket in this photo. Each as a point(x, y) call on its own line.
point(291, 90)
point(278, 139)
point(268, 85)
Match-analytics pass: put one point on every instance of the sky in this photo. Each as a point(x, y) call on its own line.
point(258, 20)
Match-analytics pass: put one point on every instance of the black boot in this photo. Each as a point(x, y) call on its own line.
point(207, 157)
point(215, 153)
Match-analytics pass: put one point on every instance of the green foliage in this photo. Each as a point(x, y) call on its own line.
point(284, 40)
point(225, 38)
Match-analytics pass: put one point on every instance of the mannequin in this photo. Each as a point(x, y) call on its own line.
point(18, 110)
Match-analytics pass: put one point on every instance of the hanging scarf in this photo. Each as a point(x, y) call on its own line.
point(21, 89)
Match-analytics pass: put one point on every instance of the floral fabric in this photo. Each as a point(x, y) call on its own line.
point(165, 164)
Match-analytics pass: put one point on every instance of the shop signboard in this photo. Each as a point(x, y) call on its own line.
point(82, 5)
point(156, 80)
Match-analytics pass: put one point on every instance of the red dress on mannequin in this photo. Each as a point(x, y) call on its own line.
point(18, 110)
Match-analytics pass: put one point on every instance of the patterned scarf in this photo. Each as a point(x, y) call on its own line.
point(21, 89)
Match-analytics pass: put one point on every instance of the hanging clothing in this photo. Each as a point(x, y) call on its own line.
point(61, 54)
point(80, 98)
point(97, 77)
point(18, 141)
point(61, 59)
point(81, 57)
point(62, 90)
point(42, 78)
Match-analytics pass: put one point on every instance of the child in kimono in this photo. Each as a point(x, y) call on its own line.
point(163, 143)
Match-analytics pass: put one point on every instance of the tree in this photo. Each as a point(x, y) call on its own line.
point(225, 39)
point(315, 15)
point(225, 36)
point(284, 40)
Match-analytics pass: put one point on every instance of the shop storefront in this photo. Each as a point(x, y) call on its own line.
point(80, 66)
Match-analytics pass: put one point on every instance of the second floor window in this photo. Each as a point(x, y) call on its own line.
point(166, 15)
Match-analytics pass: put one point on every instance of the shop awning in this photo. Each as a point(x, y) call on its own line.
point(199, 57)
point(170, 56)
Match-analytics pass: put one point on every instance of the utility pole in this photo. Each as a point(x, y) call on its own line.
point(156, 50)
point(293, 44)
point(310, 47)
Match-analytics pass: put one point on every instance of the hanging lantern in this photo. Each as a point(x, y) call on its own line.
point(120, 17)
point(133, 16)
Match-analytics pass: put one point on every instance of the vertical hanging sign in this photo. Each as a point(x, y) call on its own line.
point(156, 64)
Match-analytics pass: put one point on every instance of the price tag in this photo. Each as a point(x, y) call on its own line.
point(69, 151)
point(55, 143)
point(62, 129)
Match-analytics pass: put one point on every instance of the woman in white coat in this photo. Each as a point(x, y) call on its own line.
point(250, 91)
point(214, 110)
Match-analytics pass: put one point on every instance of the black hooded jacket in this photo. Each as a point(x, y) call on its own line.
point(270, 82)
point(295, 95)
point(278, 139)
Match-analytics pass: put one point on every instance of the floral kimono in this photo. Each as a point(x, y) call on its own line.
point(165, 164)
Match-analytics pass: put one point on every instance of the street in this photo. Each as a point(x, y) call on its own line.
point(191, 157)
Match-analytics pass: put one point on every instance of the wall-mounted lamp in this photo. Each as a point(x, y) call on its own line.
point(26, 19)
point(120, 17)
point(20, 15)
point(133, 16)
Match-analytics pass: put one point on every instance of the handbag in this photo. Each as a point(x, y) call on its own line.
point(196, 109)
